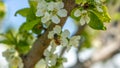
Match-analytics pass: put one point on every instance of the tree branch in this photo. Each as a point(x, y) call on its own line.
point(36, 52)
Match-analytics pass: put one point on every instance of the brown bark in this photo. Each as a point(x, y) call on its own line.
point(36, 52)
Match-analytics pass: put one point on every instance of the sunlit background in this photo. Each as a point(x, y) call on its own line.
point(75, 58)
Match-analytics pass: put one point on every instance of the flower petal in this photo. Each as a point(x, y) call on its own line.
point(51, 6)
point(99, 8)
point(64, 42)
point(77, 13)
point(82, 20)
point(87, 19)
point(46, 18)
point(39, 13)
point(57, 29)
point(51, 35)
point(65, 33)
point(59, 5)
point(55, 19)
point(62, 13)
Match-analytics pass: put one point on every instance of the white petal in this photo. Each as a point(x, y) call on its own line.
point(82, 20)
point(65, 33)
point(74, 41)
point(99, 9)
point(55, 19)
point(46, 18)
point(84, 11)
point(68, 47)
point(77, 13)
point(46, 25)
point(42, 4)
point(62, 13)
point(51, 6)
point(97, 1)
point(39, 13)
point(57, 29)
point(51, 35)
point(53, 59)
point(53, 48)
point(46, 53)
point(43, 20)
point(59, 5)
point(53, 62)
point(87, 19)
point(64, 42)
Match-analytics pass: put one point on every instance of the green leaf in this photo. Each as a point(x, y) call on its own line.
point(23, 12)
point(8, 38)
point(95, 22)
point(29, 25)
point(80, 1)
point(23, 47)
point(32, 3)
point(37, 28)
point(7, 42)
point(103, 16)
point(31, 15)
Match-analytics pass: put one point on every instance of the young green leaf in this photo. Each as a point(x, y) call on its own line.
point(103, 16)
point(23, 12)
point(8, 38)
point(78, 1)
point(37, 28)
point(81, 1)
point(95, 22)
point(29, 25)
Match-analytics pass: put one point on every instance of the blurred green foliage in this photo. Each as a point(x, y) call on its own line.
point(2, 10)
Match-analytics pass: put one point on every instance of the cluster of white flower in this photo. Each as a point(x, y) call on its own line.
point(50, 11)
point(59, 37)
point(51, 58)
point(13, 58)
point(84, 16)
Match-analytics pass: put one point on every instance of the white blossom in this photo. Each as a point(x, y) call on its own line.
point(41, 8)
point(50, 11)
point(62, 36)
point(55, 19)
point(98, 1)
point(56, 30)
point(9, 53)
point(59, 5)
point(74, 41)
point(13, 58)
point(51, 6)
point(62, 13)
point(16, 62)
point(65, 33)
point(84, 19)
point(77, 13)
point(50, 57)
point(45, 18)
point(99, 8)
point(58, 11)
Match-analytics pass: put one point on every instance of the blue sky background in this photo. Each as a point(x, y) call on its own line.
point(10, 20)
